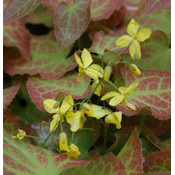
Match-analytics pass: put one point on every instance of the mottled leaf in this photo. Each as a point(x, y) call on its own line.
point(9, 94)
point(16, 34)
point(26, 159)
point(157, 173)
point(102, 42)
point(47, 60)
point(131, 155)
point(166, 145)
point(40, 89)
point(153, 92)
point(103, 9)
point(157, 5)
point(99, 165)
point(158, 161)
point(51, 5)
point(156, 54)
point(77, 15)
point(18, 8)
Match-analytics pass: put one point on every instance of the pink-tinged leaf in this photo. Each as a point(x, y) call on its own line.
point(158, 161)
point(40, 89)
point(27, 159)
point(103, 9)
point(19, 8)
point(9, 94)
point(99, 165)
point(15, 34)
point(47, 60)
point(102, 42)
point(77, 15)
point(131, 155)
point(157, 5)
point(153, 92)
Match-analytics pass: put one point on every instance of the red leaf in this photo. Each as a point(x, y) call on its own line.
point(157, 5)
point(40, 89)
point(131, 155)
point(18, 8)
point(77, 17)
point(153, 92)
point(47, 60)
point(15, 34)
point(158, 173)
point(9, 94)
point(158, 161)
point(103, 9)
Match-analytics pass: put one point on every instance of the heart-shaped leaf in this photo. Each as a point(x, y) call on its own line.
point(18, 8)
point(40, 89)
point(77, 15)
point(153, 92)
point(47, 59)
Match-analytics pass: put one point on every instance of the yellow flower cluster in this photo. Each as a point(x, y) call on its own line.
point(20, 135)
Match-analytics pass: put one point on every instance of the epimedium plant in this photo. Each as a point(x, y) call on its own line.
point(113, 116)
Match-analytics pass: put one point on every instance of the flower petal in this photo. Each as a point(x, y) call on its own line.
point(73, 151)
point(96, 69)
point(109, 95)
point(50, 106)
point(98, 88)
point(134, 50)
point(107, 72)
point(133, 28)
point(143, 34)
point(55, 122)
point(91, 74)
point(124, 41)
point(67, 105)
point(116, 100)
point(78, 60)
point(86, 58)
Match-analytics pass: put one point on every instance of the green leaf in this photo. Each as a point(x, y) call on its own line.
point(25, 159)
point(77, 15)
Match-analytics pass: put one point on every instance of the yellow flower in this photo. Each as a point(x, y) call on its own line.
point(73, 151)
point(94, 110)
point(51, 106)
point(134, 69)
point(76, 120)
point(117, 98)
point(107, 73)
point(20, 135)
point(134, 38)
point(63, 143)
point(114, 118)
point(86, 67)
point(96, 86)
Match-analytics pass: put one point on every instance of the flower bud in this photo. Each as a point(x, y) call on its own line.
point(107, 72)
point(134, 69)
point(73, 151)
point(63, 145)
